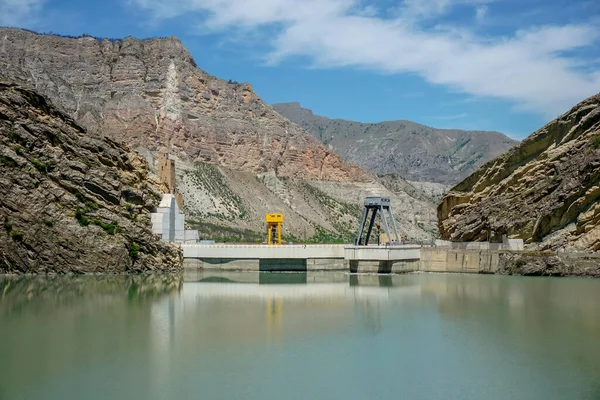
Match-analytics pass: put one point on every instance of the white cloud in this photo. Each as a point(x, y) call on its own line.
point(480, 13)
point(451, 117)
point(531, 67)
point(21, 13)
point(368, 11)
point(426, 9)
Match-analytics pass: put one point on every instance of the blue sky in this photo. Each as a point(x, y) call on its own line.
point(505, 65)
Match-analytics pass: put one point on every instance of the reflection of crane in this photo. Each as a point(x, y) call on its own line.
point(371, 311)
point(274, 316)
point(274, 310)
point(274, 222)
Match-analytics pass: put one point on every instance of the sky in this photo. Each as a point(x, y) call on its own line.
point(504, 65)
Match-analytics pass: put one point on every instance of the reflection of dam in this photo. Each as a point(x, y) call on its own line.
point(235, 309)
point(449, 328)
point(312, 292)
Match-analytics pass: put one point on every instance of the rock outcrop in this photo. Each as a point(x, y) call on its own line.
point(150, 94)
point(70, 201)
point(545, 190)
point(548, 263)
point(416, 152)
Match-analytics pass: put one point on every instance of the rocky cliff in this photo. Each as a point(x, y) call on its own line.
point(416, 152)
point(237, 158)
point(545, 190)
point(69, 201)
point(151, 94)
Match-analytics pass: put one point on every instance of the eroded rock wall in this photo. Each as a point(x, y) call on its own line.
point(545, 190)
point(71, 201)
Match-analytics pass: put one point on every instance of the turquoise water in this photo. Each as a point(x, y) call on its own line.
point(299, 336)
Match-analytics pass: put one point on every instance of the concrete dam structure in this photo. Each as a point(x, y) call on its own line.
point(353, 259)
point(392, 257)
point(298, 257)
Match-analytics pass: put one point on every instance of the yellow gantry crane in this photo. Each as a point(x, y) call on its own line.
point(274, 222)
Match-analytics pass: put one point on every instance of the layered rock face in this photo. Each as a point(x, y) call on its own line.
point(69, 201)
point(151, 94)
point(545, 190)
point(237, 158)
point(416, 152)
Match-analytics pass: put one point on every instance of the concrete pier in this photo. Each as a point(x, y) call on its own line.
point(382, 259)
point(382, 253)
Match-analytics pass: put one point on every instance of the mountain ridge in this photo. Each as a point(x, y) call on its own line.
point(433, 155)
point(153, 89)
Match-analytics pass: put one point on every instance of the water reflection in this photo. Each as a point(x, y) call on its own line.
point(162, 336)
point(269, 278)
point(35, 293)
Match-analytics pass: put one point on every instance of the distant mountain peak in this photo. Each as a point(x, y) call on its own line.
point(291, 104)
point(417, 152)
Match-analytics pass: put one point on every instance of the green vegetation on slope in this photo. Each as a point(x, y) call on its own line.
point(343, 217)
point(208, 177)
point(221, 233)
point(228, 207)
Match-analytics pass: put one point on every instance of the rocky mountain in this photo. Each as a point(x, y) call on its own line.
point(236, 157)
point(545, 190)
point(150, 94)
point(416, 152)
point(70, 201)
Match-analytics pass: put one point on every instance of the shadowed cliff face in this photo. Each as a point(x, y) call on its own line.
point(70, 201)
point(151, 94)
point(545, 190)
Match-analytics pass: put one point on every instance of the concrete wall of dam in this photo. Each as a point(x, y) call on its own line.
point(386, 260)
point(435, 260)
point(430, 259)
point(257, 251)
point(268, 265)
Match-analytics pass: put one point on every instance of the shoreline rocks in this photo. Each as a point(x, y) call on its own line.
point(545, 190)
point(71, 201)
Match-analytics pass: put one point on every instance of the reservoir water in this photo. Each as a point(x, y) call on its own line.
point(299, 336)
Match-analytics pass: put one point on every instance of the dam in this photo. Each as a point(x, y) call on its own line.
point(275, 256)
point(468, 257)
point(301, 257)
point(389, 255)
